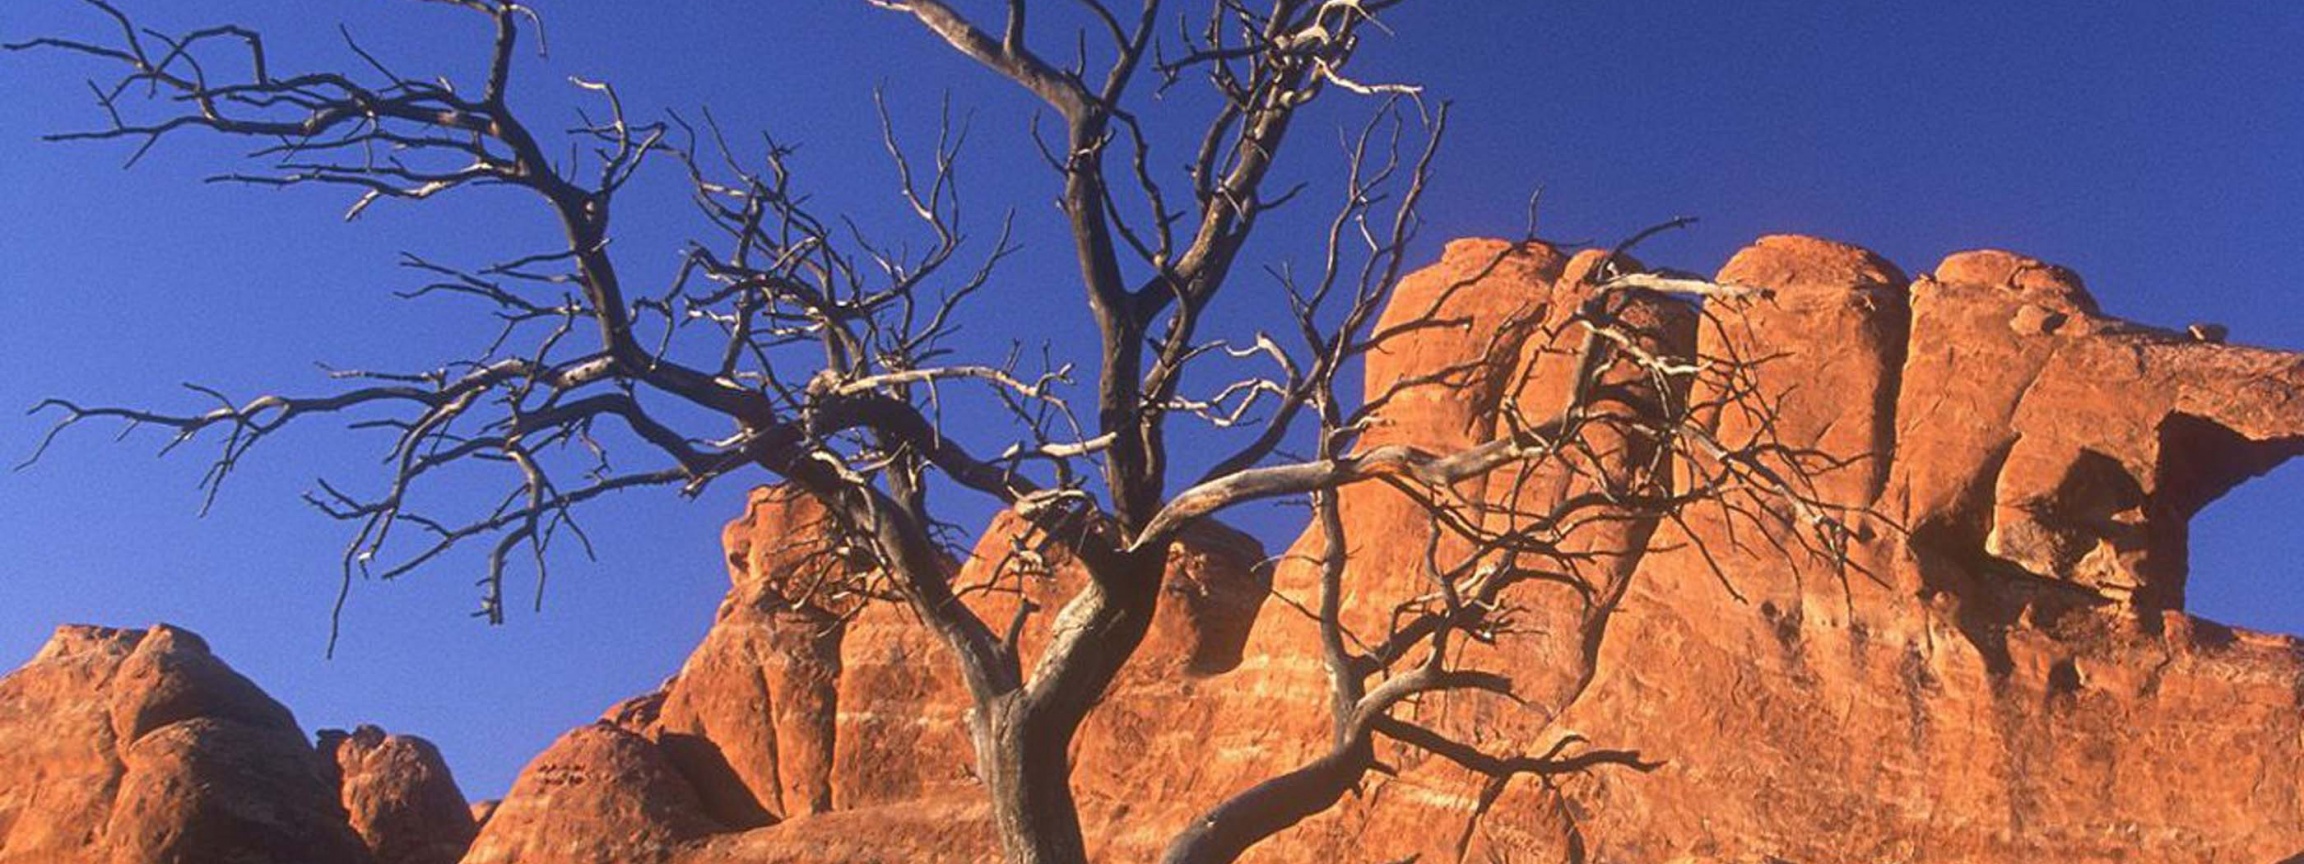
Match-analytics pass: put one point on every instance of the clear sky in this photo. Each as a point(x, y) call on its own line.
point(2154, 147)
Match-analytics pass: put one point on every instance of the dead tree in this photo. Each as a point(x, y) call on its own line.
point(828, 352)
point(1628, 447)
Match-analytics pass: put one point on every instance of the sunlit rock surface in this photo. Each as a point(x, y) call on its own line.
point(121, 746)
point(2003, 674)
point(399, 796)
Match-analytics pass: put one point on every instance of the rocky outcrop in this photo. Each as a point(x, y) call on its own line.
point(749, 718)
point(1999, 669)
point(399, 796)
point(741, 738)
point(2010, 677)
point(2100, 439)
point(137, 746)
point(2005, 674)
point(805, 710)
point(599, 795)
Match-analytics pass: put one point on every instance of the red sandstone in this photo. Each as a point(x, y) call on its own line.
point(2007, 676)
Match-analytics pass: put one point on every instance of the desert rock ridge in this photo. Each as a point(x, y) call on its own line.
point(2010, 676)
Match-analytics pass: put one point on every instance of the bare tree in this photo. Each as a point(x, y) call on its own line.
point(827, 352)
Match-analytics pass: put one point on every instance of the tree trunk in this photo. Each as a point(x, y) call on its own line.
point(1029, 779)
point(1023, 738)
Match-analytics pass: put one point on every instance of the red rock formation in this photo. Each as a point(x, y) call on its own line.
point(2005, 674)
point(1845, 310)
point(747, 734)
point(136, 746)
point(599, 795)
point(400, 797)
point(773, 655)
point(2008, 678)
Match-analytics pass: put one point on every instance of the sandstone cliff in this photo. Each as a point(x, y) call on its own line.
point(2005, 674)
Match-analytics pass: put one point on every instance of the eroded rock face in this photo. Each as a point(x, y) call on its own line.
point(2007, 677)
point(2005, 674)
point(749, 718)
point(136, 746)
point(599, 795)
point(1985, 691)
point(1845, 309)
point(796, 714)
point(399, 795)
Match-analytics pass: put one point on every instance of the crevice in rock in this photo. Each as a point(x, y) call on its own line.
point(2064, 678)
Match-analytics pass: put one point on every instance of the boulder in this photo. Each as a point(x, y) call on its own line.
point(599, 795)
point(400, 797)
point(209, 789)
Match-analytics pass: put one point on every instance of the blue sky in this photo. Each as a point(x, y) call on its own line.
point(2153, 147)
